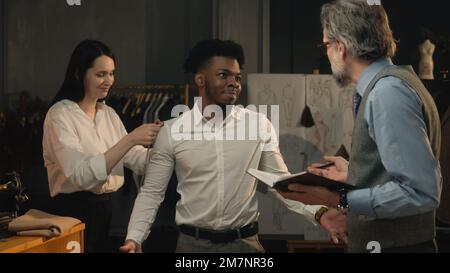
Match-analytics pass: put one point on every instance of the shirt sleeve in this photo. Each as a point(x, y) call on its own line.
point(395, 122)
point(135, 159)
point(272, 161)
point(157, 176)
point(82, 170)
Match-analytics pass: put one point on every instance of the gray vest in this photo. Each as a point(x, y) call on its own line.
point(366, 170)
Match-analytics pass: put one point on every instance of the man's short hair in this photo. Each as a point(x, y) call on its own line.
point(363, 28)
point(206, 49)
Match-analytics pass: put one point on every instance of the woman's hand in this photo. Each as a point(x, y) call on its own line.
point(145, 134)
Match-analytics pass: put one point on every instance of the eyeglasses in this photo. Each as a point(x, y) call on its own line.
point(323, 47)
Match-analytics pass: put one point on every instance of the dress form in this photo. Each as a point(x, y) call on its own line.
point(426, 65)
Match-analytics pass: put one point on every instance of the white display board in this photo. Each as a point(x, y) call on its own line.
point(331, 109)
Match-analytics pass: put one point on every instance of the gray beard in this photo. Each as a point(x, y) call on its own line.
point(342, 78)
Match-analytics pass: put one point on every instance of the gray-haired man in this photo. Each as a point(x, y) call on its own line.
point(396, 137)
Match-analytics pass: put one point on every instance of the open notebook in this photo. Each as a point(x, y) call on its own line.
point(281, 182)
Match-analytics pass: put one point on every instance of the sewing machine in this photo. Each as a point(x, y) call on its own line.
point(11, 196)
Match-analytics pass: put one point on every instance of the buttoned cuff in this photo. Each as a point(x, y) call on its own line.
point(360, 203)
point(98, 167)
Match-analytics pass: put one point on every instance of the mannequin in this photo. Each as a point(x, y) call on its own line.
point(426, 66)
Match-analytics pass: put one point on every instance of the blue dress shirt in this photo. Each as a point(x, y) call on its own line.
point(395, 122)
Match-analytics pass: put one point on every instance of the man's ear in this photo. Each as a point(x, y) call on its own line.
point(199, 79)
point(342, 49)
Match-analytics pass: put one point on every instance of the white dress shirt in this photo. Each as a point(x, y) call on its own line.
point(216, 192)
point(74, 147)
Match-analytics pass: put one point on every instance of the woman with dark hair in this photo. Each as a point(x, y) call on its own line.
point(86, 146)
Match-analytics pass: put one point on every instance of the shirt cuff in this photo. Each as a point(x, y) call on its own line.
point(270, 147)
point(310, 213)
point(360, 203)
point(98, 167)
point(135, 236)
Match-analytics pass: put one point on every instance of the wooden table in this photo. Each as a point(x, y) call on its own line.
point(71, 241)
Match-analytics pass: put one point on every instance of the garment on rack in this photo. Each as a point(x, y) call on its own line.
point(150, 107)
point(161, 105)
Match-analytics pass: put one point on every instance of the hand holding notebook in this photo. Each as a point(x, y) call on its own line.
point(281, 182)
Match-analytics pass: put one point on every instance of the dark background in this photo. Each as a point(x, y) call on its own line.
point(151, 39)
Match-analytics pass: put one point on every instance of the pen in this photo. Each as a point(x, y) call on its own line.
point(323, 166)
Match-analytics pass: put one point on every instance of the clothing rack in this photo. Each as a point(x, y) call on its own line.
point(184, 90)
point(137, 104)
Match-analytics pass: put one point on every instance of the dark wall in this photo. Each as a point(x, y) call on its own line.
point(2, 53)
point(149, 37)
point(409, 19)
point(173, 26)
point(42, 34)
point(296, 30)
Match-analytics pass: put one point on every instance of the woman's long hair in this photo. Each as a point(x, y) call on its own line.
point(82, 59)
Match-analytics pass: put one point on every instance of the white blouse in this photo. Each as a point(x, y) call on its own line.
point(74, 147)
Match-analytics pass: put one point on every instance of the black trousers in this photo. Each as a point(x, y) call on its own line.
point(93, 210)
